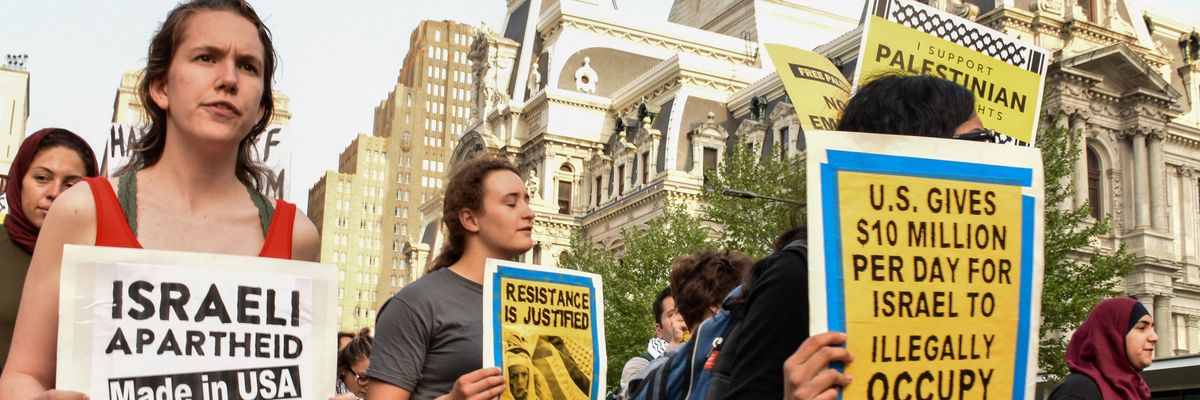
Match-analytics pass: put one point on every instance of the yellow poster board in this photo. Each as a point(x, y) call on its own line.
point(818, 90)
point(1005, 75)
point(927, 253)
point(544, 327)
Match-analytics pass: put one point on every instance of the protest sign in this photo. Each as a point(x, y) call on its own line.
point(544, 327)
point(146, 324)
point(817, 88)
point(928, 255)
point(272, 148)
point(1005, 75)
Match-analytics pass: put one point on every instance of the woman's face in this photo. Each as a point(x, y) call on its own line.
point(352, 378)
point(214, 86)
point(52, 171)
point(506, 221)
point(1139, 343)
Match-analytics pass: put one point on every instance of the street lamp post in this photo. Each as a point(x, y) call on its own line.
point(745, 194)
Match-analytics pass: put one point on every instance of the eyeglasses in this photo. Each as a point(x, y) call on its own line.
point(986, 135)
point(362, 378)
point(979, 135)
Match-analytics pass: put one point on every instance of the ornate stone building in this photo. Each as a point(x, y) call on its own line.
point(609, 116)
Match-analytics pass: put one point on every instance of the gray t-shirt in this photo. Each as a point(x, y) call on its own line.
point(429, 334)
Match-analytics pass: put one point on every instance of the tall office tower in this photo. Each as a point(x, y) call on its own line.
point(422, 119)
point(347, 207)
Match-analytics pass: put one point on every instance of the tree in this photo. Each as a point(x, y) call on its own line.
point(751, 225)
point(632, 282)
point(1071, 287)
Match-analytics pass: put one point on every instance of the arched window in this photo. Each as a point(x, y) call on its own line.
point(1093, 182)
point(566, 167)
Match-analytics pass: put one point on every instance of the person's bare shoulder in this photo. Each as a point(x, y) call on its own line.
point(72, 217)
point(306, 241)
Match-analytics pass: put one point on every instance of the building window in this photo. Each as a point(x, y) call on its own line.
point(1093, 182)
point(599, 180)
point(784, 142)
point(621, 180)
point(710, 161)
point(645, 167)
point(537, 254)
point(1088, 7)
point(564, 197)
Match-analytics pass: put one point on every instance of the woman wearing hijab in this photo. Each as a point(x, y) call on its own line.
point(1108, 352)
point(49, 161)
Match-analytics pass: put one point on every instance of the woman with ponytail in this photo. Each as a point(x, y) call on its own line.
point(429, 336)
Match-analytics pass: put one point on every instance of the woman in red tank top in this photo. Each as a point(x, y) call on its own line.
point(191, 181)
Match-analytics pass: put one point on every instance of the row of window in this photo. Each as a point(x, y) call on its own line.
point(433, 141)
point(709, 163)
point(434, 125)
point(431, 182)
point(434, 90)
point(436, 72)
point(434, 166)
point(434, 107)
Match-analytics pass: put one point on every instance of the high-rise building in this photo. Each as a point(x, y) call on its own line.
point(422, 119)
point(347, 206)
point(415, 128)
point(14, 111)
point(129, 120)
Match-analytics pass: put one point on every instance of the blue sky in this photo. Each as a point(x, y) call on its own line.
point(338, 60)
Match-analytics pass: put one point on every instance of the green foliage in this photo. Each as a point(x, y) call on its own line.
point(631, 283)
point(1071, 287)
point(751, 225)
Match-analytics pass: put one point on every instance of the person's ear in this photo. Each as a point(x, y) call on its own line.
point(469, 221)
point(158, 93)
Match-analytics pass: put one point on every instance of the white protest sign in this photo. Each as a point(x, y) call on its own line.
point(137, 324)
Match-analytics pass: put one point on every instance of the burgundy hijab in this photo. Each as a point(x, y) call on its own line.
point(1097, 349)
point(22, 232)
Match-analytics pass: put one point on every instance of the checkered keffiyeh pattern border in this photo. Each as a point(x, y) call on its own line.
point(949, 29)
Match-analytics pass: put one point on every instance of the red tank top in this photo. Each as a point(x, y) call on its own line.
point(112, 229)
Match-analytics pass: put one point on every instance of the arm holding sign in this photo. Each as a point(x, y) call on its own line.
point(31, 361)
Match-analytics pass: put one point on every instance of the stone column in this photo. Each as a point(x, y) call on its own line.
point(1147, 300)
point(1079, 127)
point(1190, 230)
point(1158, 203)
point(1193, 332)
point(1164, 325)
point(1141, 180)
point(1063, 121)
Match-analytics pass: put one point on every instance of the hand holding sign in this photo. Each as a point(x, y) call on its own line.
point(481, 384)
point(807, 375)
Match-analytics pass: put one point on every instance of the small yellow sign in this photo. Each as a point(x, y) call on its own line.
point(818, 90)
point(1006, 76)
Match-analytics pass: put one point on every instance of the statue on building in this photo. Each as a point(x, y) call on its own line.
point(535, 79)
point(533, 186)
point(585, 77)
